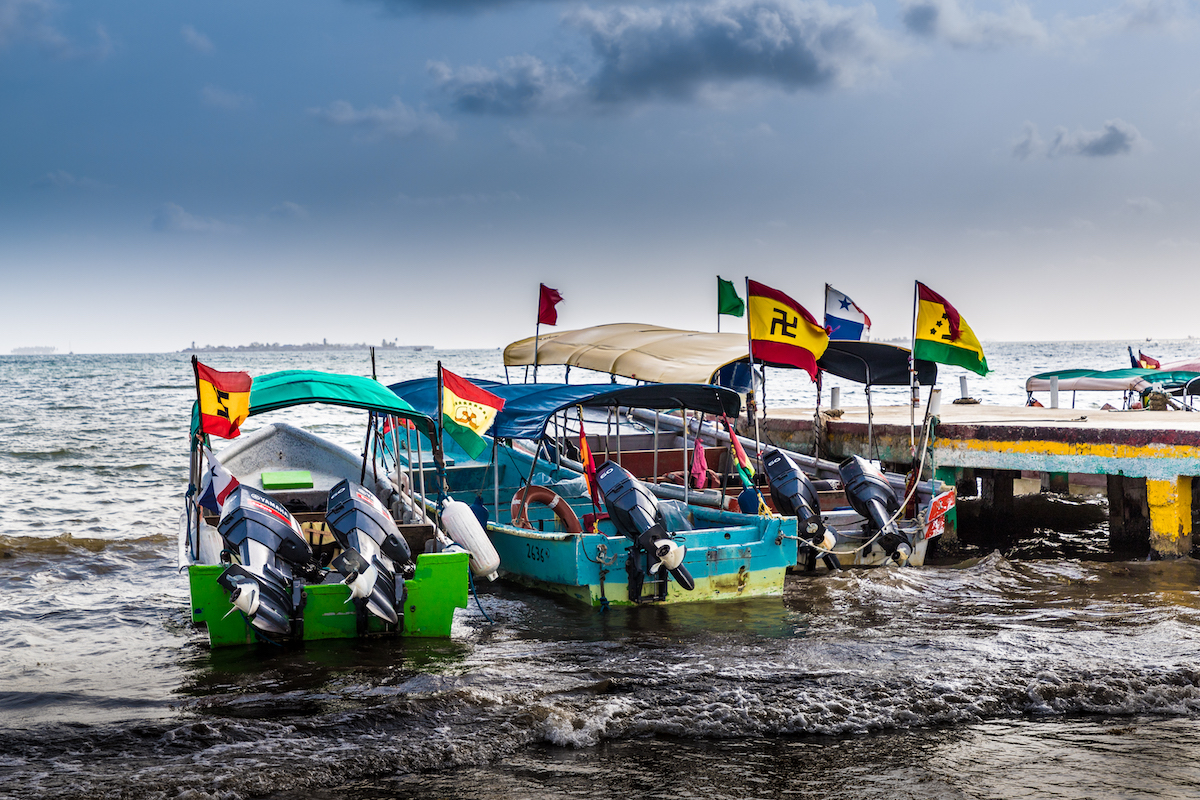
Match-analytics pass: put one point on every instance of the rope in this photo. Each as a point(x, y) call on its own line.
point(911, 493)
point(475, 594)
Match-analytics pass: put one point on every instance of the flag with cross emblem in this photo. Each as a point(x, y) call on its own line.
point(224, 400)
point(942, 335)
point(782, 332)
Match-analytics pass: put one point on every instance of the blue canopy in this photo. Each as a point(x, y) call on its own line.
point(529, 406)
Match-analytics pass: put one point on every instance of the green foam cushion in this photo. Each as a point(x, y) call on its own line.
point(288, 479)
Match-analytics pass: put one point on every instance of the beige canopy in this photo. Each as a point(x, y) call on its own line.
point(642, 352)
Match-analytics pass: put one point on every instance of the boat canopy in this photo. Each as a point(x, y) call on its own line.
point(667, 355)
point(874, 363)
point(1115, 380)
point(294, 387)
point(528, 407)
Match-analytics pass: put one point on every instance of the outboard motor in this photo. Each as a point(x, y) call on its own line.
point(272, 550)
point(871, 495)
point(635, 512)
point(373, 551)
point(795, 495)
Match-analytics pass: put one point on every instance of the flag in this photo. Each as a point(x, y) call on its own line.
point(728, 301)
point(782, 331)
point(467, 412)
point(942, 335)
point(589, 463)
point(1148, 362)
point(224, 400)
point(216, 485)
point(699, 465)
point(547, 300)
point(745, 469)
point(843, 318)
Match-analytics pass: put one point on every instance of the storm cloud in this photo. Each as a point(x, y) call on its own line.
point(681, 52)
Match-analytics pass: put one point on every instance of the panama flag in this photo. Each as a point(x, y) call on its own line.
point(843, 318)
point(216, 485)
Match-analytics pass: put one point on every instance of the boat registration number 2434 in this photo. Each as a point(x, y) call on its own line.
point(536, 552)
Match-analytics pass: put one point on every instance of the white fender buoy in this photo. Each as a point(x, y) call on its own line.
point(463, 527)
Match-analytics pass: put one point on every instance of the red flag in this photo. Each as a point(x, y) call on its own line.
point(1148, 362)
point(547, 300)
point(589, 463)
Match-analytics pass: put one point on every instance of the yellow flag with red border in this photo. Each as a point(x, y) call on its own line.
point(782, 331)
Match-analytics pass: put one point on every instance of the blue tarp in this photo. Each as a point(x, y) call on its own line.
point(529, 406)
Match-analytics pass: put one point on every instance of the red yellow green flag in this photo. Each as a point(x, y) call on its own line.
point(468, 411)
point(942, 335)
point(224, 399)
point(782, 331)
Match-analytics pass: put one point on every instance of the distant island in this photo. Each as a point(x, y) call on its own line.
point(34, 351)
point(262, 347)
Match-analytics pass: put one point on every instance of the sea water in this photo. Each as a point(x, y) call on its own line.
point(1045, 669)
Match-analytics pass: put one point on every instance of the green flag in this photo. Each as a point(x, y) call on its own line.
point(728, 301)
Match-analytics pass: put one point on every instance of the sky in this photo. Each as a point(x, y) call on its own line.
point(411, 170)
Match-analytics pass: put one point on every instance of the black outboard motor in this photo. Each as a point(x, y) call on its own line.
point(374, 552)
point(635, 513)
point(795, 495)
point(271, 548)
point(871, 495)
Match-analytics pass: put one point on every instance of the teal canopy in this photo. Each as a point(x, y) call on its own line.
point(1126, 380)
point(294, 387)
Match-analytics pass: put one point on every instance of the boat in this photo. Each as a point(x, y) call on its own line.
point(643, 542)
point(856, 537)
point(1133, 383)
point(312, 541)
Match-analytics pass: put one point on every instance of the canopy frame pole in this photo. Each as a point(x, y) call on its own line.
point(495, 479)
point(656, 412)
point(686, 471)
point(912, 375)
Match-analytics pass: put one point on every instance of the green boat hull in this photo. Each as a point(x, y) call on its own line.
point(437, 588)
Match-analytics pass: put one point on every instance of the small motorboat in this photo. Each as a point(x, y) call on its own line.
point(301, 549)
point(871, 532)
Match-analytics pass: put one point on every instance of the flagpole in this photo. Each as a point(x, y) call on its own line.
point(536, 335)
point(751, 406)
point(194, 465)
point(719, 306)
point(912, 372)
point(439, 456)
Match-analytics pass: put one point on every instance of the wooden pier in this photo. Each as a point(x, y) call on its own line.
point(1150, 460)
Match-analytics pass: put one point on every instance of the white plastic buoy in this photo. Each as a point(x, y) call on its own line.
point(463, 527)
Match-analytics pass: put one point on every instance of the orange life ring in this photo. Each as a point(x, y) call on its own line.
point(541, 494)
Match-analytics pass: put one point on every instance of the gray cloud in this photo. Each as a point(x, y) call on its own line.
point(684, 51)
point(196, 40)
point(1116, 137)
point(961, 25)
point(171, 218)
point(522, 85)
point(1143, 205)
point(397, 121)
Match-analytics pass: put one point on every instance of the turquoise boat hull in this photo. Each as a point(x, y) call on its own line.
point(730, 556)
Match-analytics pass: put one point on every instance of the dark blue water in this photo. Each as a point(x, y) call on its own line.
point(1046, 670)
